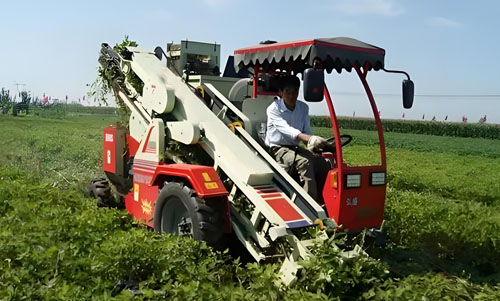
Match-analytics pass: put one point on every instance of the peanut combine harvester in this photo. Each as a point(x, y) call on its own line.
point(192, 161)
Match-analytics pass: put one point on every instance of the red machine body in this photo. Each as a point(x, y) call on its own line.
point(269, 212)
point(114, 146)
point(354, 195)
point(149, 176)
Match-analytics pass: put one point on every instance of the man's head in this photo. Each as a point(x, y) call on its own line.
point(289, 89)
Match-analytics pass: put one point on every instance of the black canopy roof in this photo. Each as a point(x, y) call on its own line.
point(335, 53)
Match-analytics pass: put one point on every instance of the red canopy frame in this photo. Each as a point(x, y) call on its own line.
point(362, 207)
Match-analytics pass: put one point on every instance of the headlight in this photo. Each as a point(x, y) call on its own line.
point(334, 179)
point(378, 178)
point(353, 181)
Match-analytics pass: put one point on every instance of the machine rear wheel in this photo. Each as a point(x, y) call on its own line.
point(178, 211)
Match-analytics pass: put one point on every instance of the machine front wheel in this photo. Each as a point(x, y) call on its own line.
point(178, 211)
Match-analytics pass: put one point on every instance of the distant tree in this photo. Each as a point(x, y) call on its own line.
point(5, 100)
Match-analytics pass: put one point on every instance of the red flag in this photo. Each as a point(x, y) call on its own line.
point(403, 115)
point(45, 99)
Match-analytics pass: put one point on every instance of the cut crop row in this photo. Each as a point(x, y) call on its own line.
point(432, 166)
point(473, 130)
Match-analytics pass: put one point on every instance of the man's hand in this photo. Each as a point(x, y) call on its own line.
point(315, 142)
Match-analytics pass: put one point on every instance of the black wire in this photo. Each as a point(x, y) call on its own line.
point(172, 65)
point(175, 69)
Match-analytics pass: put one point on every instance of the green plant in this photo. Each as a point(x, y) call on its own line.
point(56, 244)
point(452, 129)
point(102, 88)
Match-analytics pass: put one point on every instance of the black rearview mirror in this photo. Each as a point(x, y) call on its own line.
point(408, 92)
point(314, 83)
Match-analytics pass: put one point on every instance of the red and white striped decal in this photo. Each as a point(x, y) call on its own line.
point(145, 166)
point(150, 150)
point(147, 148)
point(281, 205)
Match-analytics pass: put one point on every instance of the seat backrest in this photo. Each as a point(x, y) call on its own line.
point(255, 110)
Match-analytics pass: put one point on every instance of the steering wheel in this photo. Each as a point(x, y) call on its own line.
point(330, 146)
point(345, 139)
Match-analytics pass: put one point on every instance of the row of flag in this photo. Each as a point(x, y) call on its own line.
point(464, 118)
point(46, 99)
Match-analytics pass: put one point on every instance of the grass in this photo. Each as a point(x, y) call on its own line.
point(443, 202)
point(432, 164)
point(442, 216)
point(488, 148)
point(56, 244)
point(64, 152)
point(432, 233)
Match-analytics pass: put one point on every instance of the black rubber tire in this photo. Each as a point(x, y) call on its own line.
point(101, 190)
point(206, 216)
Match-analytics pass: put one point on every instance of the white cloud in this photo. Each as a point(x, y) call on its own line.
point(364, 7)
point(444, 22)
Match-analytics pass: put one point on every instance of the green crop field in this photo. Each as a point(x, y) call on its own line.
point(442, 218)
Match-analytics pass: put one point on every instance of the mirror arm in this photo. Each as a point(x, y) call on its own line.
point(397, 71)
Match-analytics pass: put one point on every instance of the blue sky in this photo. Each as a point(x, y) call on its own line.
point(448, 47)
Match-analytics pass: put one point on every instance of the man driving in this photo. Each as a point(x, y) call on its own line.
point(287, 125)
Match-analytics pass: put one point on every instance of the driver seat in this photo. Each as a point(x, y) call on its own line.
point(255, 111)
